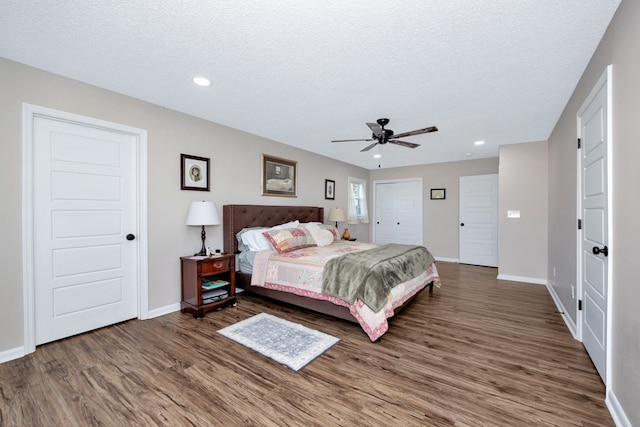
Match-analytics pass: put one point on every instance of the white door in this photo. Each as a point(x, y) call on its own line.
point(478, 236)
point(592, 128)
point(398, 212)
point(84, 204)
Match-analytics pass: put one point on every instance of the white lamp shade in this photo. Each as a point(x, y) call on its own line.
point(203, 213)
point(337, 215)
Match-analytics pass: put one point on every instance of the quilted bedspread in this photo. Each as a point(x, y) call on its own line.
point(300, 272)
point(370, 275)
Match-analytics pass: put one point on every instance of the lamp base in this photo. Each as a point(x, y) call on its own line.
point(203, 251)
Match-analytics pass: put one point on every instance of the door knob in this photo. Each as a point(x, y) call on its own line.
point(130, 237)
point(604, 251)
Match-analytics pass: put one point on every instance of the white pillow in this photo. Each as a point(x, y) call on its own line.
point(322, 236)
point(256, 241)
point(292, 224)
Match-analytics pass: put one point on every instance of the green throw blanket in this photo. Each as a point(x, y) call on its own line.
point(370, 275)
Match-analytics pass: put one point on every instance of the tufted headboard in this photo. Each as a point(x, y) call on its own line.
point(237, 217)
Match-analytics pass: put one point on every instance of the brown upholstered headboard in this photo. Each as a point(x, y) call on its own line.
point(237, 217)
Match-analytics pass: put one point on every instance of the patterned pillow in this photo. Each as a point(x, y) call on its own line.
point(289, 239)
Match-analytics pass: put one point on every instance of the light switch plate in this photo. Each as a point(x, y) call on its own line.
point(513, 214)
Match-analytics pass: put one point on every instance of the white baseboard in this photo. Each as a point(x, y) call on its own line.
point(616, 411)
point(437, 258)
point(164, 310)
point(573, 328)
point(533, 280)
point(12, 354)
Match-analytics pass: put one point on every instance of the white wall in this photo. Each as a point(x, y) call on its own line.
point(235, 178)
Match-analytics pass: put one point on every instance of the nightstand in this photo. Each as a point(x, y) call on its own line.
point(208, 283)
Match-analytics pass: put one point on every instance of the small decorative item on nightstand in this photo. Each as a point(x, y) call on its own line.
point(346, 235)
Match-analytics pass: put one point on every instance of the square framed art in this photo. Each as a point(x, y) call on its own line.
point(279, 176)
point(194, 173)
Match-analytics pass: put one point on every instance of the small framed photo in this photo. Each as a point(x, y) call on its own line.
point(438, 193)
point(329, 189)
point(279, 177)
point(194, 173)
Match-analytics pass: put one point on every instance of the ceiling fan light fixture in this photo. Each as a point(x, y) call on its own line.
point(377, 155)
point(382, 136)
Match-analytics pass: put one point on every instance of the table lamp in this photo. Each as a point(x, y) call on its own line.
point(337, 215)
point(201, 214)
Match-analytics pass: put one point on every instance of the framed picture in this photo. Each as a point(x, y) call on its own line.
point(279, 177)
point(329, 189)
point(438, 193)
point(194, 173)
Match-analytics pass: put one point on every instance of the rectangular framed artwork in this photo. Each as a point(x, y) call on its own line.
point(329, 189)
point(279, 177)
point(438, 193)
point(194, 173)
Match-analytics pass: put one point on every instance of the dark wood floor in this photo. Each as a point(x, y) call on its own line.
point(477, 352)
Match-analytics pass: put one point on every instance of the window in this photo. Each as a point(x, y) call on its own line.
point(357, 201)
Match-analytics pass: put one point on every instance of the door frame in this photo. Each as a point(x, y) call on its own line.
point(374, 201)
point(29, 112)
point(605, 79)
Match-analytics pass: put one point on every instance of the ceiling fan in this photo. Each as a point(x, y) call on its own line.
point(382, 135)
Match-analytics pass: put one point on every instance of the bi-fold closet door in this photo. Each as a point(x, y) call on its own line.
point(398, 212)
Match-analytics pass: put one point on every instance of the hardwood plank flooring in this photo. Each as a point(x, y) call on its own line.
point(476, 352)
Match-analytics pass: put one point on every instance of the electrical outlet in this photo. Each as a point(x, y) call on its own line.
point(573, 292)
point(554, 272)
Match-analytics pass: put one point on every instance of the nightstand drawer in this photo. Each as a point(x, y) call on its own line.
point(214, 266)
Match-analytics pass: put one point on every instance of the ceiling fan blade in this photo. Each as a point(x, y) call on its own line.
point(416, 132)
point(404, 143)
point(375, 128)
point(350, 140)
point(369, 147)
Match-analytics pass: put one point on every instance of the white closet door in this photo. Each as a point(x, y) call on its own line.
point(398, 212)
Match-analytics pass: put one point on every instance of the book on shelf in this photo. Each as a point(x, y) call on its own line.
point(213, 284)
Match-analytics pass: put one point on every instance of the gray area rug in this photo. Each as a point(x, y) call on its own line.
point(288, 343)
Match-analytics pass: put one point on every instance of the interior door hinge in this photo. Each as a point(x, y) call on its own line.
point(579, 143)
point(579, 224)
point(579, 305)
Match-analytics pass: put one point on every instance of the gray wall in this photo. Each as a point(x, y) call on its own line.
point(440, 222)
point(619, 46)
point(522, 248)
point(522, 244)
point(235, 166)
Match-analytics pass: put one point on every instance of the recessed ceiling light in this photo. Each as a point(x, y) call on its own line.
point(377, 156)
point(479, 143)
point(201, 81)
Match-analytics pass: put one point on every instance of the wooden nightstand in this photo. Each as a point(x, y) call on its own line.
point(207, 283)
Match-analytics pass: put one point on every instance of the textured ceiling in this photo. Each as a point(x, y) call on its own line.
point(306, 72)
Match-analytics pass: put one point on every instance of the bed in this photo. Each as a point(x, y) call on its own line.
point(237, 218)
